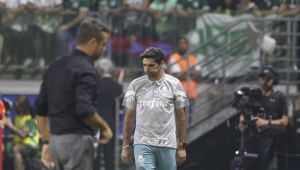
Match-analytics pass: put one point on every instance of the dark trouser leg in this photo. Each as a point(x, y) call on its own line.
point(72, 152)
point(109, 154)
point(267, 158)
point(97, 163)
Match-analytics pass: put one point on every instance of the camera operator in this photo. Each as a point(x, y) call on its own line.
point(275, 116)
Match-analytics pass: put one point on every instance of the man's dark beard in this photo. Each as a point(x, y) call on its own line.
point(154, 75)
point(267, 88)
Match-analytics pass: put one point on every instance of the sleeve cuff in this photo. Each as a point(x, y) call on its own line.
point(180, 107)
point(41, 112)
point(87, 113)
point(130, 107)
point(206, 7)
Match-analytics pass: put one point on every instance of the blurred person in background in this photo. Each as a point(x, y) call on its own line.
point(75, 12)
point(266, 7)
point(69, 95)
point(245, 6)
point(189, 12)
point(288, 8)
point(214, 4)
point(192, 7)
point(46, 21)
point(14, 21)
point(228, 7)
point(162, 11)
point(135, 5)
point(108, 6)
point(26, 138)
point(178, 65)
point(134, 22)
point(109, 91)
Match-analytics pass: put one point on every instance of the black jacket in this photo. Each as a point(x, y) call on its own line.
point(109, 90)
point(69, 94)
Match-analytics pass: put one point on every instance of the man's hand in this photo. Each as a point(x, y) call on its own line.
point(180, 155)
point(42, 11)
point(1, 124)
point(190, 11)
point(126, 155)
point(241, 126)
point(105, 135)
point(68, 11)
point(63, 27)
point(101, 10)
point(13, 10)
point(10, 17)
point(158, 15)
point(46, 156)
point(257, 13)
point(260, 122)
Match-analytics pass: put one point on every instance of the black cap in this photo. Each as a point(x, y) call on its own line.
point(268, 72)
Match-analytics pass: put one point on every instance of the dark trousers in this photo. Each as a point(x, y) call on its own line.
point(72, 151)
point(266, 157)
point(108, 151)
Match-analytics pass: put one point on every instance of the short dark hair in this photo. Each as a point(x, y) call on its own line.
point(91, 28)
point(182, 38)
point(25, 105)
point(155, 53)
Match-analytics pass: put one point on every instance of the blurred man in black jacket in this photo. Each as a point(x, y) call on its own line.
point(109, 90)
point(69, 95)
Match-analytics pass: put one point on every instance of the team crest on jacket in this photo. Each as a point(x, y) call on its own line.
point(164, 89)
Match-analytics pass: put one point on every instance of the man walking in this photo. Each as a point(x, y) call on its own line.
point(158, 100)
point(68, 96)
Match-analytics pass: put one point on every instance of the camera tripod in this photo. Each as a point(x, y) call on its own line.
point(242, 158)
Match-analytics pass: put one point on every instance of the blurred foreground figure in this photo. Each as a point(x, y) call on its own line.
point(68, 96)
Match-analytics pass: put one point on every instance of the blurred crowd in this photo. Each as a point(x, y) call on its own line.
point(35, 32)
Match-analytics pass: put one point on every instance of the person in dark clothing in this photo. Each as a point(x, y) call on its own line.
point(227, 7)
point(109, 91)
point(275, 114)
point(68, 95)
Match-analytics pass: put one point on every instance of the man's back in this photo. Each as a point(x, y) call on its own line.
point(66, 80)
